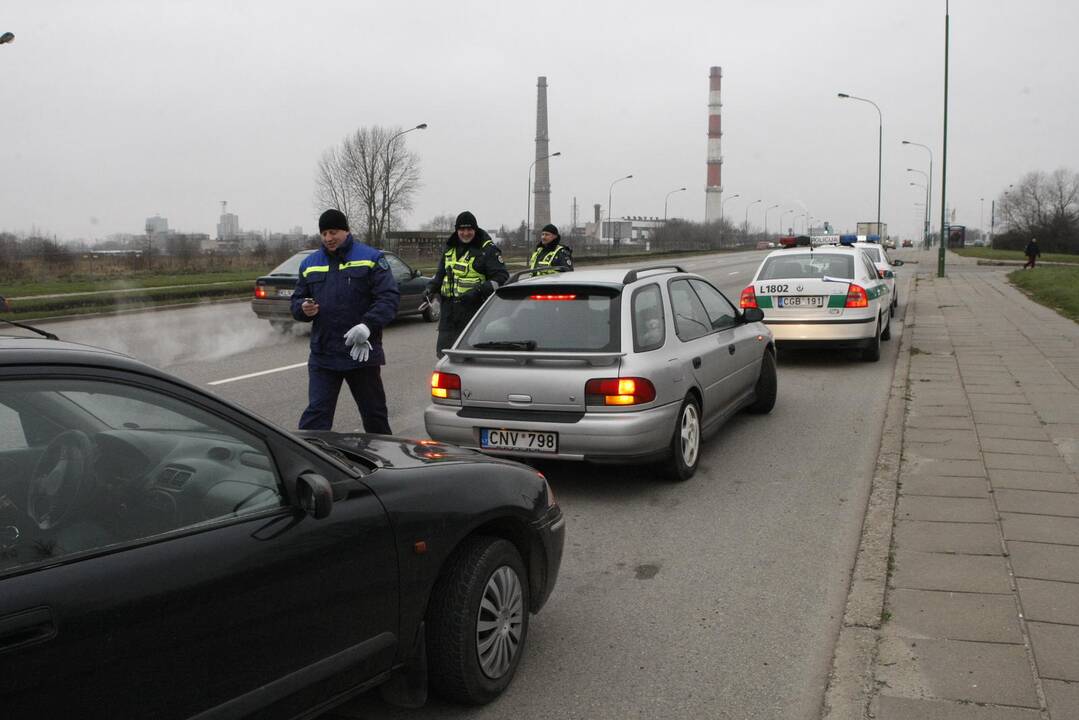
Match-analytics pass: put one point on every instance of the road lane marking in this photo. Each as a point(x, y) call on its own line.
point(736, 272)
point(251, 375)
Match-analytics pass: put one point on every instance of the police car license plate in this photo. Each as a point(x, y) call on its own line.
point(528, 440)
point(813, 301)
point(283, 292)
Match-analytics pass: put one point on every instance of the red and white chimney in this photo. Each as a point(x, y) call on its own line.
point(713, 193)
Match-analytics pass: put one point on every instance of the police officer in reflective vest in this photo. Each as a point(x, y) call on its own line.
point(550, 252)
point(347, 291)
point(470, 269)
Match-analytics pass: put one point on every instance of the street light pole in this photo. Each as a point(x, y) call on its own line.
point(929, 192)
point(745, 227)
point(981, 221)
point(944, 161)
point(386, 189)
point(770, 207)
point(672, 192)
point(722, 228)
point(610, 217)
point(880, 147)
point(528, 211)
point(928, 184)
point(925, 220)
point(781, 219)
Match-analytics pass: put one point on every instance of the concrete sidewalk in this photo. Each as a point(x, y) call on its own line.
point(965, 597)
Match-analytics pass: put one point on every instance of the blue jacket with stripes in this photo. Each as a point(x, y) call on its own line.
point(352, 285)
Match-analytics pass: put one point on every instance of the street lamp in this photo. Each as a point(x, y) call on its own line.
point(928, 194)
point(610, 217)
point(8, 37)
point(722, 227)
point(386, 189)
point(528, 211)
point(781, 218)
point(770, 207)
point(981, 221)
point(880, 147)
point(745, 227)
point(928, 184)
point(672, 192)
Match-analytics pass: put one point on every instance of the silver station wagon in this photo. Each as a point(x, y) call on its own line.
point(603, 365)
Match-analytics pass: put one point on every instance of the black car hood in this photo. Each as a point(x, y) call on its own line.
point(390, 451)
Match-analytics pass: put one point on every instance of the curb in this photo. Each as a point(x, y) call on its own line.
point(850, 681)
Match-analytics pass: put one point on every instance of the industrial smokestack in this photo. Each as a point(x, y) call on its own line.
point(713, 193)
point(542, 188)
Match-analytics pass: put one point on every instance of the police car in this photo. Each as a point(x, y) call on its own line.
point(827, 295)
point(885, 266)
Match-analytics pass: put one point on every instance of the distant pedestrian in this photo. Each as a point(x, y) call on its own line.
point(550, 252)
point(469, 270)
point(346, 289)
point(1032, 252)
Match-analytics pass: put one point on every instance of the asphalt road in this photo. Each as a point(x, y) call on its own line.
point(719, 597)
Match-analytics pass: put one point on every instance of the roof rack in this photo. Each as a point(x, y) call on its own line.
point(632, 275)
point(532, 271)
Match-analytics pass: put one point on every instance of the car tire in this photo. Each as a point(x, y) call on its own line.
point(433, 311)
point(477, 621)
point(281, 326)
point(685, 451)
point(871, 352)
point(767, 386)
point(887, 334)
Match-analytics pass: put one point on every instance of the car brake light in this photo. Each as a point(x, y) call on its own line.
point(856, 297)
point(618, 391)
point(445, 386)
point(260, 292)
point(749, 298)
point(552, 297)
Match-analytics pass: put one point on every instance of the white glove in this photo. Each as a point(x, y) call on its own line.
point(357, 335)
point(360, 351)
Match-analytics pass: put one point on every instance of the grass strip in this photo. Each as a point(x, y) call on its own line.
point(1054, 287)
point(985, 253)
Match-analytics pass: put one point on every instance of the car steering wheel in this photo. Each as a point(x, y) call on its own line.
point(61, 478)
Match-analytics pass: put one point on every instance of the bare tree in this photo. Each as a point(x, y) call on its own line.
point(370, 177)
point(439, 222)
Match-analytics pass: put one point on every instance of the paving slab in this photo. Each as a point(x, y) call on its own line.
point(1044, 561)
point(942, 537)
point(1037, 463)
point(1041, 528)
point(955, 450)
point(1022, 407)
point(939, 423)
point(1055, 650)
point(954, 616)
point(929, 410)
point(895, 708)
point(951, 468)
point(1062, 698)
point(1048, 601)
point(944, 509)
point(926, 435)
point(1020, 447)
point(1028, 419)
point(957, 573)
point(1028, 480)
point(945, 486)
point(958, 670)
point(1037, 502)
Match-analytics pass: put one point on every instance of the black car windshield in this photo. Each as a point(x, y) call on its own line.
point(548, 318)
point(290, 266)
point(807, 265)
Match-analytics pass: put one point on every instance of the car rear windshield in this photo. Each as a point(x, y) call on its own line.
point(563, 318)
point(290, 266)
point(807, 265)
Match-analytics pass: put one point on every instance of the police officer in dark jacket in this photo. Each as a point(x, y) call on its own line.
point(347, 290)
point(550, 252)
point(470, 269)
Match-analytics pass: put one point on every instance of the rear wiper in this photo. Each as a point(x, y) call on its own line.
point(46, 335)
point(506, 345)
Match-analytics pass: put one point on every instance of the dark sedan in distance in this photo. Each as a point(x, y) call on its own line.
point(273, 291)
point(166, 554)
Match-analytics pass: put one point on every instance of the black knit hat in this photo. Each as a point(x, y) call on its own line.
point(465, 220)
point(551, 229)
point(332, 220)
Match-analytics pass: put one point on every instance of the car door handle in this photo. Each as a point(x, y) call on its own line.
point(731, 348)
point(696, 362)
point(26, 627)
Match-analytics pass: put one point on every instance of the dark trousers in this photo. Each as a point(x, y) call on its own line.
point(455, 316)
point(1030, 261)
point(365, 384)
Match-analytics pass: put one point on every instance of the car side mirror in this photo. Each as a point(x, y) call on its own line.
point(314, 495)
point(897, 263)
point(752, 315)
point(413, 273)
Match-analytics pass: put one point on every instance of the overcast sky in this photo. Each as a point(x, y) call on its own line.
point(116, 110)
